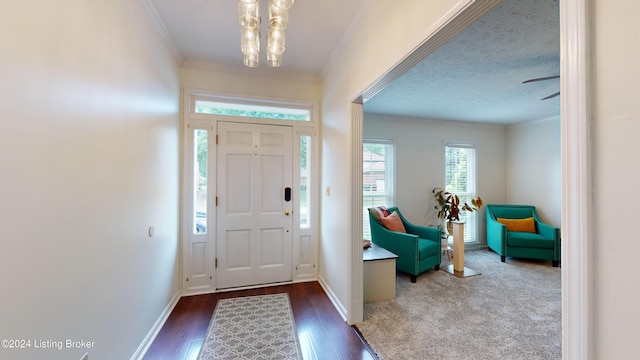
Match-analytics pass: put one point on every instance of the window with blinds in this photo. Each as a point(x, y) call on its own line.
point(460, 178)
point(378, 178)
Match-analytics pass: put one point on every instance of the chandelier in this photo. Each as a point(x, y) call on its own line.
point(249, 18)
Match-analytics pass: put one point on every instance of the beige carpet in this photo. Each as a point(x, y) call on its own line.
point(511, 311)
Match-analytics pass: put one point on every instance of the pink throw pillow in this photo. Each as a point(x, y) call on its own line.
point(393, 223)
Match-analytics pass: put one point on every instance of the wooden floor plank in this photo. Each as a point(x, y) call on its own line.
point(322, 332)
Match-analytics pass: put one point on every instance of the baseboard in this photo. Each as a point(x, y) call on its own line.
point(155, 329)
point(334, 299)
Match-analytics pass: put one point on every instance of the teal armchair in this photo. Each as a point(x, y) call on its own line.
point(543, 244)
point(418, 249)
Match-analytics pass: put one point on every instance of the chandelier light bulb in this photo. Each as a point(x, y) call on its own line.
point(250, 41)
point(283, 4)
point(275, 41)
point(274, 60)
point(251, 60)
point(278, 17)
point(249, 13)
point(249, 19)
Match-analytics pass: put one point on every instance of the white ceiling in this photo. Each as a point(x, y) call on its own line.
point(477, 76)
point(208, 31)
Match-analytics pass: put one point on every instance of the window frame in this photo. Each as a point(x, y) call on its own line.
point(391, 197)
point(471, 219)
point(267, 105)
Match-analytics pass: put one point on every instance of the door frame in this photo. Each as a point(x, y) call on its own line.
point(301, 270)
point(577, 208)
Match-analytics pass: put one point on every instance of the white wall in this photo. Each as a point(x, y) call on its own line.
point(371, 52)
point(253, 83)
point(89, 135)
point(616, 125)
point(518, 164)
point(419, 161)
point(534, 169)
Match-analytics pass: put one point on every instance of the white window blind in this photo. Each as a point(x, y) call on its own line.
point(460, 179)
point(378, 178)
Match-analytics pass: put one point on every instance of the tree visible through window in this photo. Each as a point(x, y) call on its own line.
point(246, 110)
point(201, 174)
point(305, 180)
point(460, 178)
point(378, 178)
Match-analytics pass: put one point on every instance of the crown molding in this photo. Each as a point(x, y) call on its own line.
point(440, 122)
point(157, 22)
point(346, 38)
point(534, 122)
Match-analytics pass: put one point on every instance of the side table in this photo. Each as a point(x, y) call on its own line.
point(457, 268)
point(447, 249)
point(379, 278)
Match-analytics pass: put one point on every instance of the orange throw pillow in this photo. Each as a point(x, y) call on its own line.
point(521, 225)
point(393, 223)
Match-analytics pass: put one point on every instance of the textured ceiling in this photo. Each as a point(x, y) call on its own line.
point(477, 76)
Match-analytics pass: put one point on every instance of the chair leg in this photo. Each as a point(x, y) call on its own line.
point(437, 267)
point(503, 258)
point(555, 263)
point(413, 278)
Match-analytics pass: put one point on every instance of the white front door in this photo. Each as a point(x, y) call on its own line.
point(254, 239)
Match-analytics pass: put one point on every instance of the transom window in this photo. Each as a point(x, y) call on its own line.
point(250, 110)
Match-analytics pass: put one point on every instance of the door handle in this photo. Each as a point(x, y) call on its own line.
point(287, 194)
point(286, 212)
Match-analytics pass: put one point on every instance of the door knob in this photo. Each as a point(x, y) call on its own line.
point(286, 212)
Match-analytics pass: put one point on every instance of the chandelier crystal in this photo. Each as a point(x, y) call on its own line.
point(249, 19)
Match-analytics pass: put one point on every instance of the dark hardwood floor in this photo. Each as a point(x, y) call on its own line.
point(321, 331)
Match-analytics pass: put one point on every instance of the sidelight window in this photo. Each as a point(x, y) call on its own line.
point(305, 181)
point(200, 176)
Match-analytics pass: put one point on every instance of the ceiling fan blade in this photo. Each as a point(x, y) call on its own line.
point(551, 96)
point(541, 79)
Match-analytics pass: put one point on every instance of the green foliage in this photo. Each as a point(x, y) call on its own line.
point(456, 180)
point(304, 143)
point(249, 113)
point(449, 205)
point(377, 149)
point(201, 156)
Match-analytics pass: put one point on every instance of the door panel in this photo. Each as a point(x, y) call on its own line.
point(236, 257)
point(271, 184)
point(239, 177)
point(254, 240)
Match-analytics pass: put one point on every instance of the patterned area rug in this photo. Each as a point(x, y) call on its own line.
point(252, 327)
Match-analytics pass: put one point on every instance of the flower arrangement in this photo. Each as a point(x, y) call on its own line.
point(449, 206)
